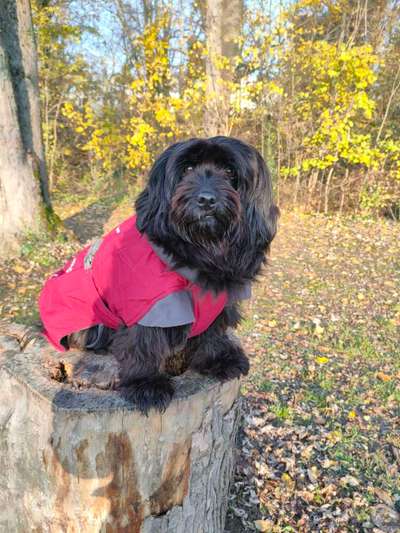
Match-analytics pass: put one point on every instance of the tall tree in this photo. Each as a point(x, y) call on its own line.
point(23, 177)
point(223, 23)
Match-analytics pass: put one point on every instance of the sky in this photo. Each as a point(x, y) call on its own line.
point(101, 43)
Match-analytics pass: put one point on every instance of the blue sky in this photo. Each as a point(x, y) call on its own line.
point(101, 43)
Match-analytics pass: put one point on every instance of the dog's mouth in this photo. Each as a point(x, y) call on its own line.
point(203, 217)
point(203, 227)
point(199, 217)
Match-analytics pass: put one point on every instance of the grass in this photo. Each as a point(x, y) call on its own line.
point(323, 335)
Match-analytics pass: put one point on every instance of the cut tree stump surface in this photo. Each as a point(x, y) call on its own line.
point(75, 457)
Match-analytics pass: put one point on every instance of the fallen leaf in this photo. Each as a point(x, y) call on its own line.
point(384, 496)
point(19, 269)
point(350, 481)
point(313, 474)
point(264, 525)
point(289, 482)
point(327, 463)
point(383, 377)
point(386, 518)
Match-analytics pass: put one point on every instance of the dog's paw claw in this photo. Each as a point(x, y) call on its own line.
point(225, 366)
point(153, 392)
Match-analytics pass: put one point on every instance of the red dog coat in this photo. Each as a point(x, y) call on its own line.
point(123, 281)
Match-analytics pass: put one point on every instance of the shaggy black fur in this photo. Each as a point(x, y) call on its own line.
point(208, 205)
point(229, 248)
point(142, 353)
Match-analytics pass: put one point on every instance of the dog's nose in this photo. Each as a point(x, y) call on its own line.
point(206, 200)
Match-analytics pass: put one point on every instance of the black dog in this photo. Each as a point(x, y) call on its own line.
point(209, 213)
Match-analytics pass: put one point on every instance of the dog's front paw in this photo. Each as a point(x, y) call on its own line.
point(230, 364)
point(151, 392)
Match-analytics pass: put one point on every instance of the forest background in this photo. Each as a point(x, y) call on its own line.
point(314, 85)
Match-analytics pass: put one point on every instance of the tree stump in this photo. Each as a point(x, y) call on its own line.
point(76, 458)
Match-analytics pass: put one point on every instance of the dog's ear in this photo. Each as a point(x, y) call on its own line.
point(154, 198)
point(263, 224)
point(264, 216)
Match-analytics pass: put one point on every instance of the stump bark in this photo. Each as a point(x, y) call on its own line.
point(76, 458)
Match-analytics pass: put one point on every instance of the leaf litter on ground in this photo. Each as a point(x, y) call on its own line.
point(320, 445)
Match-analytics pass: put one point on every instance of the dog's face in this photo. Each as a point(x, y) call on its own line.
point(207, 191)
point(205, 204)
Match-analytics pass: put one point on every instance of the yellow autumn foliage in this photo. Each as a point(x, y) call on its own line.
point(310, 102)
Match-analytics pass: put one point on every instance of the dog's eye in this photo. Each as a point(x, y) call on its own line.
point(231, 175)
point(188, 168)
point(230, 172)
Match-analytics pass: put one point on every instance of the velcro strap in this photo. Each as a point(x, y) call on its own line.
point(88, 260)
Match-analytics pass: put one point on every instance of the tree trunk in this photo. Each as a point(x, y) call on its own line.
point(223, 22)
point(23, 177)
point(327, 190)
point(82, 460)
point(19, 191)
